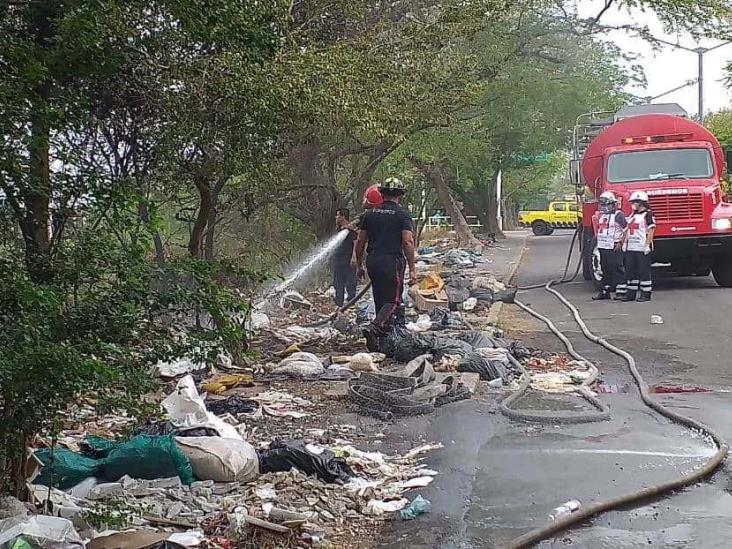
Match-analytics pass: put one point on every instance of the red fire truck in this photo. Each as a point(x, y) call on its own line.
point(679, 163)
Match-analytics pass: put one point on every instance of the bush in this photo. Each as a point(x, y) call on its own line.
point(108, 313)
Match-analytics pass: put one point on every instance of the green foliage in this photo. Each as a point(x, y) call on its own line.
point(720, 124)
point(113, 514)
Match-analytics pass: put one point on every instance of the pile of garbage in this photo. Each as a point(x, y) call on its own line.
point(242, 451)
point(192, 476)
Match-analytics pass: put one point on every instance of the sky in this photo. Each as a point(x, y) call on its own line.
point(668, 68)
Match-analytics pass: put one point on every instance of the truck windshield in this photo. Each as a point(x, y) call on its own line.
point(659, 165)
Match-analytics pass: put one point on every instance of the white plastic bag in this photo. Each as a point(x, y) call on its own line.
point(220, 459)
point(188, 411)
point(42, 531)
point(299, 365)
point(178, 367)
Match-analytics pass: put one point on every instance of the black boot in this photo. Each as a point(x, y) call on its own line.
point(644, 296)
point(372, 339)
point(604, 294)
point(629, 296)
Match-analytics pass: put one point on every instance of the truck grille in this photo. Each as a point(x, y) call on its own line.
point(678, 207)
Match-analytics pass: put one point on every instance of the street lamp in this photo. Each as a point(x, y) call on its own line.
point(700, 78)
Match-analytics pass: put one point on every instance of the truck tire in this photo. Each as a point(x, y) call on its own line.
point(586, 238)
point(540, 228)
point(722, 272)
point(549, 231)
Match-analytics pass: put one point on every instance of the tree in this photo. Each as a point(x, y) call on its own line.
point(540, 76)
point(87, 120)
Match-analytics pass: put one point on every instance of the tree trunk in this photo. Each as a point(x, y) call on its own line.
point(210, 248)
point(492, 209)
point(36, 195)
point(195, 241)
point(462, 230)
point(144, 215)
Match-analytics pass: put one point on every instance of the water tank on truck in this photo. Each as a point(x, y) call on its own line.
point(679, 163)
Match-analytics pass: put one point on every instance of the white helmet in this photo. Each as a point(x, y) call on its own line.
point(639, 196)
point(608, 196)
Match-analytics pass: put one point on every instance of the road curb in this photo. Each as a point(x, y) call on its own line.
point(495, 310)
point(509, 276)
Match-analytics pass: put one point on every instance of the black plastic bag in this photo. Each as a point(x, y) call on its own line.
point(402, 345)
point(235, 404)
point(442, 319)
point(155, 428)
point(488, 369)
point(483, 295)
point(165, 428)
point(507, 296)
point(283, 456)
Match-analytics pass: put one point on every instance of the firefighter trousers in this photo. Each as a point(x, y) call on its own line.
point(638, 272)
point(386, 273)
point(613, 272)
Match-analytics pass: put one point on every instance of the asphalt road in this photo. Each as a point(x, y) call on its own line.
point(499, 478)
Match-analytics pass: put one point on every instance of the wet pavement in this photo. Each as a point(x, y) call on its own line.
point(499, 478)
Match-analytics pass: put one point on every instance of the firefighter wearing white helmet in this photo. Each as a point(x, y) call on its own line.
point(611, 227)
point(639, 245)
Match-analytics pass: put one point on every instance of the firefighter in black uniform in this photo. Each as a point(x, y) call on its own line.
point(388, 231)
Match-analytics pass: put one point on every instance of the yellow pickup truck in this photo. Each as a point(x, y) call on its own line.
point(560, 215)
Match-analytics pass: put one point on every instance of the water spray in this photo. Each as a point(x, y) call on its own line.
point(314, 260)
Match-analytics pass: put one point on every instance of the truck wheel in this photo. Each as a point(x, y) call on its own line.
point(586, 239)
point(722, 272)
point(591, 267)
point(540, 228)
point(549, 230)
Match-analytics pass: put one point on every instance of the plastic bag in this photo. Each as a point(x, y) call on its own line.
point(220, 459)
point(403, 346)
point(483, 295)
point(235, 404)
point(188, 411)
point(488, 369)
point(39, 531)
point(283, 456)
point(299, 365)
point(142, 457)
point(419, 506)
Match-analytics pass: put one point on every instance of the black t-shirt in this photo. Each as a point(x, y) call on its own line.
point(344, 252)
point(384, 226)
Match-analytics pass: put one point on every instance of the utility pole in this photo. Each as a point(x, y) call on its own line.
point(700, 88)
point(700, 52)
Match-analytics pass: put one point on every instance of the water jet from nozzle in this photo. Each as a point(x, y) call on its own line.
point(313, 260)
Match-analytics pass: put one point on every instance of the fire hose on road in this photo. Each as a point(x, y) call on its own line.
point(586, 512)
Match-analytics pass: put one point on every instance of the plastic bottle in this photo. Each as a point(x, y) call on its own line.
point(563, 510)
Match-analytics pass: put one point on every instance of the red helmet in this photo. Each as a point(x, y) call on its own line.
point(372, 197)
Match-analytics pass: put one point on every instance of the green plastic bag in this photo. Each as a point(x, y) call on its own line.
point(141, 457)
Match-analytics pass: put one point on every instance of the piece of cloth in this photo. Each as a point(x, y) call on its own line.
point(639, 223)
point(384, 226)
point(386, 273)
point(343, 254)
point(344, 282)
point(610, 230)
point(638, 271)
point(613, 271)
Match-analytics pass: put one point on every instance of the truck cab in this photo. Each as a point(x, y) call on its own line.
point(680, 164)
point(561, 214)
